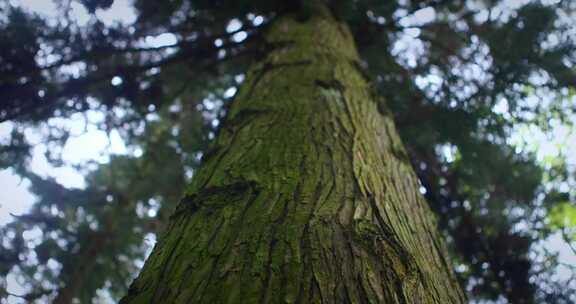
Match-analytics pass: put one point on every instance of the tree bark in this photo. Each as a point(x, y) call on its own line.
point(307, 195)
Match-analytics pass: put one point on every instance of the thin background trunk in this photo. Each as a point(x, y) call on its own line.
point(76, 274)
point(307, 195)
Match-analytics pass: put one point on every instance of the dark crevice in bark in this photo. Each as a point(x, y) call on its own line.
point(267, 67)
point(192, 202)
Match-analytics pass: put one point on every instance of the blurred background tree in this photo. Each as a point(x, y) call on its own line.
point(474, 87)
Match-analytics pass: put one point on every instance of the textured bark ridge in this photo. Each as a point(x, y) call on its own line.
point(307, 195)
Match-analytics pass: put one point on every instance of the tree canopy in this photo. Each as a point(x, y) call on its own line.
point(466, 82)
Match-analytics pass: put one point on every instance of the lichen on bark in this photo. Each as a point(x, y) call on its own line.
point(306, 197)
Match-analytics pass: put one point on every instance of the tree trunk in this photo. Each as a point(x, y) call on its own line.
point(307, 195)
point(76, 274)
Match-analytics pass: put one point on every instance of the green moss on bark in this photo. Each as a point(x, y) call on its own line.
point(306, 196)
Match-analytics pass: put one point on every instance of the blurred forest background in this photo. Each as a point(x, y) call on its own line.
point(106, 107)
